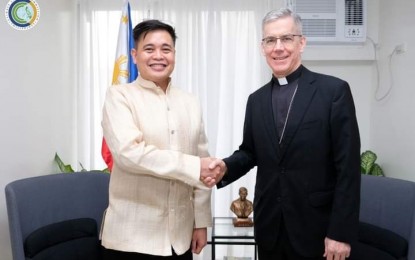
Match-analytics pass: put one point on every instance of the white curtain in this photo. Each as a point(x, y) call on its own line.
point(218, 58)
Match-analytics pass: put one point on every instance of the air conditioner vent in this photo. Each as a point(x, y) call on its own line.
point(315, 6)
point(354, 12)
point(319, 28)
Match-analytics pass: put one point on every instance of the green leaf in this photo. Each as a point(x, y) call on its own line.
point(62, 166)
point(377, 171)
point(362, 170)
point(368, 158)
point(68, 168)
point(82, 167)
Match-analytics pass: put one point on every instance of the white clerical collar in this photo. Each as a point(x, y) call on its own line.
point(282, 81)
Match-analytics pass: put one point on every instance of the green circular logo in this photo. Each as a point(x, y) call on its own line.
point(22, 14)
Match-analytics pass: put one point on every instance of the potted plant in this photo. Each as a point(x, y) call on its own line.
point(67, 168)
point(368, 164)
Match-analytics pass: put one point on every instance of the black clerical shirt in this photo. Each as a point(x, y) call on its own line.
point(281, 99)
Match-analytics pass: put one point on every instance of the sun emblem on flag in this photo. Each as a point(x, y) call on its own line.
point(120, 75)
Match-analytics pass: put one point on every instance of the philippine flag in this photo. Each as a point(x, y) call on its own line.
point(125, 70)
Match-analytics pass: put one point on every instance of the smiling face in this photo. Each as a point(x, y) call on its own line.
point(155, 57)
point(283, 58)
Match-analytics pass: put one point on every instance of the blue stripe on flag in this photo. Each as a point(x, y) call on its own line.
point(132, 68)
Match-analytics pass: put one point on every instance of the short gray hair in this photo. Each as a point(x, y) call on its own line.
point(281, 13)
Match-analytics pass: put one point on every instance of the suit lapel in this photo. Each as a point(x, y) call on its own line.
point(300, 105)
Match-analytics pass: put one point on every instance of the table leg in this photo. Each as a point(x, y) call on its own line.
point(213, 249)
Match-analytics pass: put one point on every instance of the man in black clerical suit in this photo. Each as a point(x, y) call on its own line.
point(301, 132)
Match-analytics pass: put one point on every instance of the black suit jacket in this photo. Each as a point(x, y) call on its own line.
point(311, 179)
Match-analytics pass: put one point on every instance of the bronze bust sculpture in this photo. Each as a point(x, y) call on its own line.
point(242, 208)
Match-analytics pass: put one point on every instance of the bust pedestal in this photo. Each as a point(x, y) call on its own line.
point(242, 222)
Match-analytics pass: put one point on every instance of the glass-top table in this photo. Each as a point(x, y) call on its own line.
point(224, 233)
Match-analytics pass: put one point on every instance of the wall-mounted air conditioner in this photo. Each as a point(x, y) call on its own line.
point(332, 21)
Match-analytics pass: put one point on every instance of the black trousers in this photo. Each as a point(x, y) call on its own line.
point(283, 250)
point(119, 255)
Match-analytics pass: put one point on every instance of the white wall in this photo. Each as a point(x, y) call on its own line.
point(392, 133)
point(38, 93)
point(36, 98)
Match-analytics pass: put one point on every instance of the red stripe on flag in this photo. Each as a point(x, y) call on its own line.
point(106, 154)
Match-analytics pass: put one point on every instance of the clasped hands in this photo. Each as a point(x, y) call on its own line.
point(211, 171)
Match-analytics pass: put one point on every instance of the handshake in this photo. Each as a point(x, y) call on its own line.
point(212, 171)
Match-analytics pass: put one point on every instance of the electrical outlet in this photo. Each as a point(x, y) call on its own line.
point(401, 48)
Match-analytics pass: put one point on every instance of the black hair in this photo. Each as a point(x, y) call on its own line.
point(152, 25)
